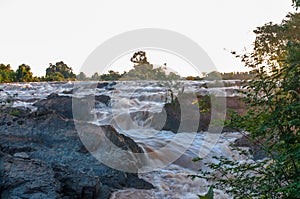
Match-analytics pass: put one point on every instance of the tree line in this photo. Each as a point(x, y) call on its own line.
point(55, 72)
point(215, 75)
point(142, 70)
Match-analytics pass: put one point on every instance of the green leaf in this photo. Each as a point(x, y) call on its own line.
point(209, 194)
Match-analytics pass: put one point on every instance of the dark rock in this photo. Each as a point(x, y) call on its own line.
point(102, 84)
point(195, 118)
point(68, 91)
point(36, 153)
point(67, 106)
point(32, 100)
point(182, 115)
point(103, 99)
point(120, 140)
point(254, 147)
point(106, 85)
point(25, 178)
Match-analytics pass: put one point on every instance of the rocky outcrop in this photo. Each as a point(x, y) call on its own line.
point(106, 85)
point(42, 156)
point(78, 108)
point(189, 114)
point(26, 178)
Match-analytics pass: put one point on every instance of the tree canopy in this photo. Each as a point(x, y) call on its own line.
point(272, 120)
point(24, 74)
point(6, 74)
point(59, 71)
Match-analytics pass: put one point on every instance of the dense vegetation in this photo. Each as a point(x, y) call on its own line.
point(272, 121)
point(142, 70)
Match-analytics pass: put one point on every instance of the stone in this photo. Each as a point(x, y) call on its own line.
point(45, 157)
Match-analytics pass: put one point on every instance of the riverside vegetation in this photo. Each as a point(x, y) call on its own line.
point(272, 121)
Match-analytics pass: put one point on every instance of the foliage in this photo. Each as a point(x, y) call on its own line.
point(56, 76)
point(111, 76)
point(14, 112)
point(296, 3)
point(273, 119)
point(95, 77)
point(60, 67)
point(6, 74)
point(209, 194)
point(143, 70)
point(81, 77)
point(214, 75)
point(24, 74)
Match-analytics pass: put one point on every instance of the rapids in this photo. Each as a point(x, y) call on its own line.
point(131, 108)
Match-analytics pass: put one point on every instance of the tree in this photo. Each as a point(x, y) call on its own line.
point(56, 76)
point(111, 76)
point(95, 76)
point(214, 75)
point(62, 68)
point(6, 74)
point(139, 58)
point(81, 76)
point(24, 74)
point(144, 70)
point(272, 120)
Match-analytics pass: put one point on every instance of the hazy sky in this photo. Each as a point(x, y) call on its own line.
point(38, 32)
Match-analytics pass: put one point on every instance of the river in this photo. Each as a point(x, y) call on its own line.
point(130, 111)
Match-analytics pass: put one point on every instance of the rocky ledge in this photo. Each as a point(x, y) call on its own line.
point(42, 156)
point(191, 113)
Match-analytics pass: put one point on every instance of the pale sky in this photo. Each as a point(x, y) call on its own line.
point(38, 32)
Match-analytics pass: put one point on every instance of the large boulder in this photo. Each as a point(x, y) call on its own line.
point(77, 108)
point(63, 105)
point(188, 113)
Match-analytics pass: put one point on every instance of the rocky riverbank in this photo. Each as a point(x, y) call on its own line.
point(42, 156)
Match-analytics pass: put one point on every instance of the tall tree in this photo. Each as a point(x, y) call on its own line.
point(81, 76)
point(24, 74)
point(62, 68)
point(6, 74)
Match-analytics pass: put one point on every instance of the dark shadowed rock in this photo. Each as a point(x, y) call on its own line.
point(172, 117)
point(103, 99)
point(77, 108)
point(102, 84)
point(254, 147)
point(67, 106)
point(68, 92)
point(182, 115)
point(44, 157)
point(106, 85)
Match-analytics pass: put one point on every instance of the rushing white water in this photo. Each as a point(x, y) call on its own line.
point(131, 109)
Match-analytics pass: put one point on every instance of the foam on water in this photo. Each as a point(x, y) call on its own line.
point(132, 106)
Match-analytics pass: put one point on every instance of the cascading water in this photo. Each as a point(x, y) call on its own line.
point(131, 109)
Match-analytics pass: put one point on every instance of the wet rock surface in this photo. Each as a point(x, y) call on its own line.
point(42, 156)
point(184, 115)
point(78, 108)
point(254, 146)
